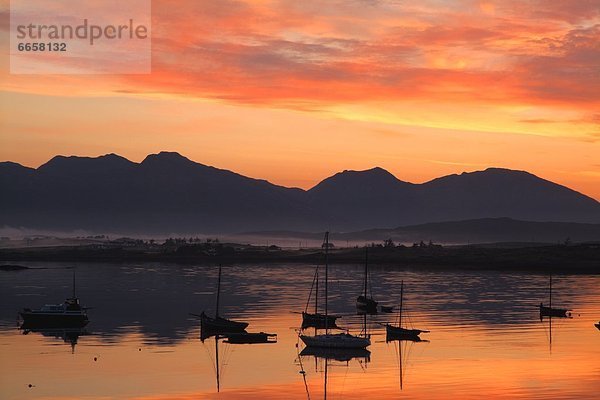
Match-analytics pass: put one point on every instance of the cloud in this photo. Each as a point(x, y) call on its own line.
point(312, 55)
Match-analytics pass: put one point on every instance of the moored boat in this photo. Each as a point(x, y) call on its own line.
point(338, 340)
point(316, 319)
point(399, 332)
point(68, 314)
point(220, 324)
point(250, 337)
point(550, 311)
point(553, 312)
point(217, 324)
point(365, 302)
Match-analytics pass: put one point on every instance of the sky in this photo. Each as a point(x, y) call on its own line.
point(294, 91)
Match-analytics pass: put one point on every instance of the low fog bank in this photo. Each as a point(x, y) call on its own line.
point(490, 230)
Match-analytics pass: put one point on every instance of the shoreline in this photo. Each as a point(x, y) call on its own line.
point(577, 258)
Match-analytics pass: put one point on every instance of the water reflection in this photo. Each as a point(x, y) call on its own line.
point(486, 335)
point(67, 335)
point(324, 359)
point(403, 347)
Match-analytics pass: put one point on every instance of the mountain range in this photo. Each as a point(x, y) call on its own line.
point(168, 193)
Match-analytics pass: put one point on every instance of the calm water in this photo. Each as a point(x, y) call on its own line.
point(486, 336)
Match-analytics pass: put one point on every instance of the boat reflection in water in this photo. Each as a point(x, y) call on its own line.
point(403, 348)
point(232, 338)
point(327, 356)
point(69, 335)
point(342, 355)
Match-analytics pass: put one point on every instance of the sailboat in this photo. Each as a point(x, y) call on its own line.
point(328, 355)
point(219, 324)
point(552, 312)
point(68, 314)
point(316, 319)
point(330, 340)
point(364, 302)
point(250, 337)
point(597, 325)
point(398, 332)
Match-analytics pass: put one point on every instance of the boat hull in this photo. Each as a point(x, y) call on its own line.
point(397, 333)
point(221, 325)
point(318, 320)
point(553, 312)
point(38, 319)
point(251, 338)
point(366, 304)
point(336, 341)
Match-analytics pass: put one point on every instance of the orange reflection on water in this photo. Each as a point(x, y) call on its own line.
point(463, 358)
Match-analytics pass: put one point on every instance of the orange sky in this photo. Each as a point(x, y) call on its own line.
point(294, 91)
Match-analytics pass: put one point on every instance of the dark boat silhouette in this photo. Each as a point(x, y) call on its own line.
point(399, 332)
point(551, 311)
point(333, 340)
point(221, 325)
point(218, 324)
point(68, 314)
point(250, 338)
point(316, 319)
point(365, 302)
point(597, 325)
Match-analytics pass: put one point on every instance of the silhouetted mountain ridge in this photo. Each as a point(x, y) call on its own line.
point(484, 230)
point(168, 193)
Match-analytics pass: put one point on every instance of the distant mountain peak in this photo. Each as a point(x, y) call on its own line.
point(167, 157)
point(499, 170)
point(60, 162)
point(375, 173)
point(364, 183)
point(370, 171)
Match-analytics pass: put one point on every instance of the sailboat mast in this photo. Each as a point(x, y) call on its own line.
point(317, 291)
point(401, 299)
point(326, 280)
point(366, 270)
point(73, 283)
point(550, 290)
point(218, 292)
